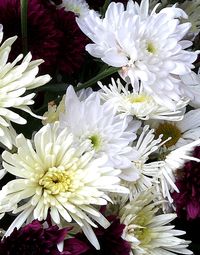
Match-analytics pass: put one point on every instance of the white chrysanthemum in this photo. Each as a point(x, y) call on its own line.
point(54, 175)
point(15, 80)
point(108, 132)
point(192, 88)
point(149, 231)
point(79, 7)
point(147, 47)
point(140, 176)
point(173, 161)
point(160, 172)
point(140, 104)
point(192, 8)
point(181, 132)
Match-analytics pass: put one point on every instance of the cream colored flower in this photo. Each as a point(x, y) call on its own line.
point(53, 175)
point(54, 111)
point(148, 230)
point(15, 79)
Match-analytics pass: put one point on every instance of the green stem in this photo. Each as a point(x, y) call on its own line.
point(61, 87)
point(24, 8)
point(98, 77)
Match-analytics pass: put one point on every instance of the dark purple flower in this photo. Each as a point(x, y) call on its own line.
point(72, 47)
point(188, 182)
point(110, 240)
point(33, 239)
point(73, 246)
point(43, 35)
point(97, 4)
point(53, 35)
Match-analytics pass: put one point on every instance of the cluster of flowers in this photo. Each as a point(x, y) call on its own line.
point(110, 169)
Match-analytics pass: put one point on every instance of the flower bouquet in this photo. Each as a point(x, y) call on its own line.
point(99, 127)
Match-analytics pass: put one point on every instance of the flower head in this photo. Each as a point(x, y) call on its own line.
point(33, 239)
point(187, 200)
point(16, 78)
point(79, 7)
point(148, 48)
point(55, 176)
point(107, 131)
point(140, 104)
point(181, 132)
point(147, 229)
point(40, 24)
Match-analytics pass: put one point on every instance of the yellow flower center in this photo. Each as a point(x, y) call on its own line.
point(96, 141)
point(138, 98)
point(56, 180)
point(141, 231)
point(151, 48)
point(168, 130)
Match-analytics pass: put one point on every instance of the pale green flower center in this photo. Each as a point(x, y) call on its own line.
point(56, 181)
point(168, 130)
point(141, 231)
point(96, 141)
point(138, 98)
point(151, 48)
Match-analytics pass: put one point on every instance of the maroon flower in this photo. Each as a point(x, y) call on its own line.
point(43, 35)
point(110, 240)
point(53, 35)
point(72, 47)
point(97, 4)
point(33, 239)
point(188, 182)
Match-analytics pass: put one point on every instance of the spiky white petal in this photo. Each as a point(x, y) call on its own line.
point(54, 175)
point(148, 230)
point(172, 162)
point(15, 79)
point(140, 104)
point(108, 132)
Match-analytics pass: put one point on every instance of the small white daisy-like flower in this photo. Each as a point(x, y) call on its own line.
point(53, 175)
point(181, 132)
point(79, 7)
point(149, 231)
point(108, 132)
point(140, 104)
point(15, 80)
point(147, 48)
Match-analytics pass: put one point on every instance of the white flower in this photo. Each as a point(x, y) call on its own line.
point(54, 111)
point(108, 132)
point(192, 8)
point(141, 175)
point(172, 162)
point(148, 230)
point(140, 104)
point(79, 7)
point(192, 88)
point(181, 132)
point(148, 48)
point(15, 80)
point(54, 175)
